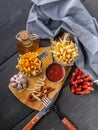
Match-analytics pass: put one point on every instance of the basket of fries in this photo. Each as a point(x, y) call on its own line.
point(64, 50)
point(29, 64)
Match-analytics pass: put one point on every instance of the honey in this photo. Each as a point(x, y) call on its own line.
point(27, 42)
point(33, 46)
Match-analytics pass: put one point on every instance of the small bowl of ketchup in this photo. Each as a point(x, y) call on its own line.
point(55, 72)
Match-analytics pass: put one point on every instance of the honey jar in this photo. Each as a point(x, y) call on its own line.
point(27, 42)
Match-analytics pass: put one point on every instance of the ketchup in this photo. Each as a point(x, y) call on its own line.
point(55, 72)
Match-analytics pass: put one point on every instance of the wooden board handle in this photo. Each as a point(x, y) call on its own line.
point(32, 122)
point(68, 124)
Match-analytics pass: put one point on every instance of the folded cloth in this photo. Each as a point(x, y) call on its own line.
point(48, 17)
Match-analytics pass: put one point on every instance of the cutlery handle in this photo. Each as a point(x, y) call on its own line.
point(68, 124)
point(32, 122)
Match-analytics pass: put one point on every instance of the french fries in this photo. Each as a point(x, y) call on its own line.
point(64, 51)
point(29, 64)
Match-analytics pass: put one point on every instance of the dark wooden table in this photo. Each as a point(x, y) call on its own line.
point(81, 110)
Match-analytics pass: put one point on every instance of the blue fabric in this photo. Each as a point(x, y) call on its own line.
point(48, 17)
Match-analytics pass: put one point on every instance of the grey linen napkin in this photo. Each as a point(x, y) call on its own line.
point(48, 17)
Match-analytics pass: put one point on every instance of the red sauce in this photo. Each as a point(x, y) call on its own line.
point(55, 72)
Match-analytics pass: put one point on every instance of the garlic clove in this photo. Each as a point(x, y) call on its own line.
point(15, 76)
point(21, 76)
point(19, 86)
point(12, 80)
point(14, 85)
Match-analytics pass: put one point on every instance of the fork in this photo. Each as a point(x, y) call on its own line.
point(46, 101)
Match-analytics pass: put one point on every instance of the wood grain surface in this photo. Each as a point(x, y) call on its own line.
point(23, 96)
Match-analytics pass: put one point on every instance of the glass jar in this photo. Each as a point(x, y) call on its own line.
point(27, 42)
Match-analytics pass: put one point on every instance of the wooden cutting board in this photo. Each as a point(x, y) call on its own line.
point(23, 96)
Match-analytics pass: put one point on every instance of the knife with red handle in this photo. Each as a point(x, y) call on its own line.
point(64, 119)
point(38, 116)
point(68, 124)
